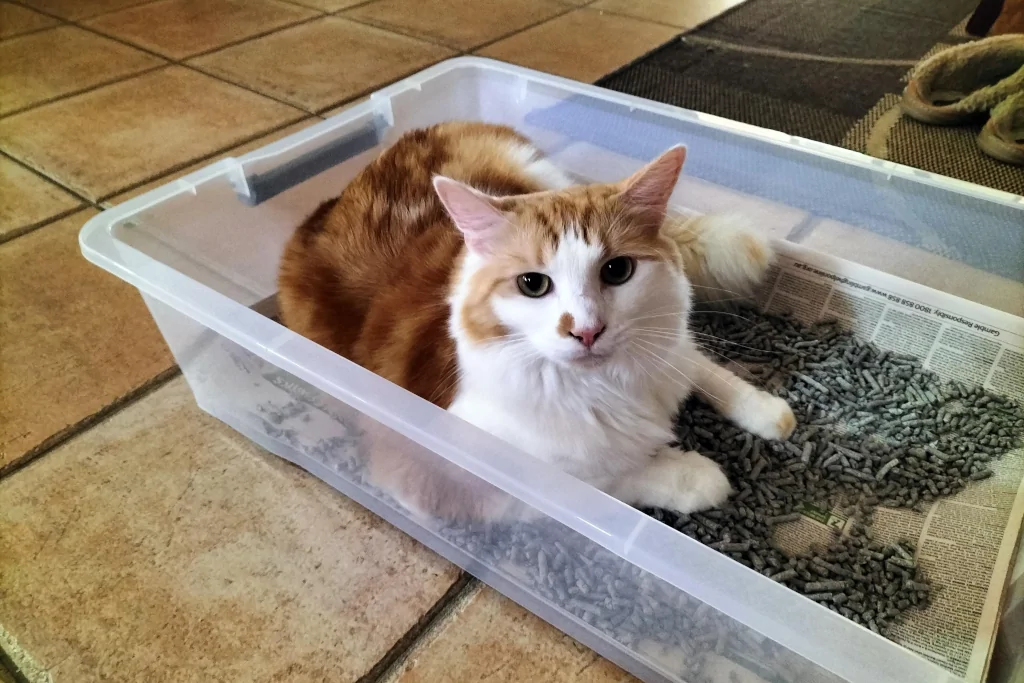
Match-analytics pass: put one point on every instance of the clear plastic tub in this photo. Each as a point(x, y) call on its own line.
point(204, 250)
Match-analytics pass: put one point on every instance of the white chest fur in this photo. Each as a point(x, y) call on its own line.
point(595, 425)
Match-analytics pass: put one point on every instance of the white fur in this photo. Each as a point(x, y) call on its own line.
point(604, 414)
point(724, 242)
point(537, 166)
point(607, 423)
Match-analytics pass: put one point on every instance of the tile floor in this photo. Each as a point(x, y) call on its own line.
point(141, 540)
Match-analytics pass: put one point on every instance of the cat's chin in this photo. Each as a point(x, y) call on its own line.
point(588, 360)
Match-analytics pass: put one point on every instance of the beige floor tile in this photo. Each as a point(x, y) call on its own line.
point(15, 20)
point(462, 24)
point(320, 63)
point(49, 64)
point(160, 546)
point(490, 638)
point(80, 9)
point(108, 139)
point(946, 275)
point(328, 5)
point(182, 28)
point(348, 105)
point(27, 200)
point(583, 45)
point(73, 338)
point(261, 141)
point(681, 13)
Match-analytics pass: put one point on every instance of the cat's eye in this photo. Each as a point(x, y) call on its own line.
point(534, 285)
point(618, 270)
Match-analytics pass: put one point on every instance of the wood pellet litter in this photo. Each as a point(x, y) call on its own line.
point(874, 428)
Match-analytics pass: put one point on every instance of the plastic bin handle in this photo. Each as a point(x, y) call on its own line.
point(269, 184)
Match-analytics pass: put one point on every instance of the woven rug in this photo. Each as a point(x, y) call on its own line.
point(828, 70)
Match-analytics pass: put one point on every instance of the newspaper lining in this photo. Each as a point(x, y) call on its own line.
point(965, 542)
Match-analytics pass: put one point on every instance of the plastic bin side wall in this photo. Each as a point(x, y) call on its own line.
point(332, 440)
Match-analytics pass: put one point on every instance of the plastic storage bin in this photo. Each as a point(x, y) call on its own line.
point(204, 250)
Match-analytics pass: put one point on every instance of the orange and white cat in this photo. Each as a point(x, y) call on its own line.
point(467, 268)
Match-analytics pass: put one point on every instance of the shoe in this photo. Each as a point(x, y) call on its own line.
point(1002, 137)
point(965, 81)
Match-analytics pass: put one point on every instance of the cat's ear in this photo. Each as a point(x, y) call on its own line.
point(473, 212)
point(648, 190)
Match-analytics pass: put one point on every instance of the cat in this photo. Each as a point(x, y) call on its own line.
point(464, 266)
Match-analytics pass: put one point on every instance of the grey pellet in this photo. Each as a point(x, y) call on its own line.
point(784, 575)
point(886, 468)
point(826, 586)
point(782, 519)
point(915, 420)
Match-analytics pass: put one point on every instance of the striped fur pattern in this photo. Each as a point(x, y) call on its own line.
point(416, 272)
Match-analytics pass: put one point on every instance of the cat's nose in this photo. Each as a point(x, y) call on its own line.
point(588, 335)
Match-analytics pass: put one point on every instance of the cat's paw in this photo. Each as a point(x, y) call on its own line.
point(698, 482)
point(766, 416)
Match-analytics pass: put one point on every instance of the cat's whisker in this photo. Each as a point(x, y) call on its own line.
point(724, 378)
point(648, 317)
point(710, 337)
point(719, 289)
point(744, 375)
point(671, 308)
point(665, 363)
point(720, 301)
point(729, 377)
point(714, 312)
point(693, 385)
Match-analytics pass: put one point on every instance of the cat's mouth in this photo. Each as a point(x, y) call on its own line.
point(590, 358)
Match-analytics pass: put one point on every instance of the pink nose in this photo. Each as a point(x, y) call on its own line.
point(588, 335)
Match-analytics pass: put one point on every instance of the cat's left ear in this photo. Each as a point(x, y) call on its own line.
point(473, 213)
point(648, 190)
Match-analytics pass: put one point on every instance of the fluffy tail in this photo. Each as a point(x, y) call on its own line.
point(723, 255)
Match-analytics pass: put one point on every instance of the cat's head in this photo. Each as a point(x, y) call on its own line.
point(578, 276)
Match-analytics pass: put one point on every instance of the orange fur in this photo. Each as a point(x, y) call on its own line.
point(369, 274)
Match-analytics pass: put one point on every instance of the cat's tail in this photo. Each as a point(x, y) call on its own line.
point(723, 255)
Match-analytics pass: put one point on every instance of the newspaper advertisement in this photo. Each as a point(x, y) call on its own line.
point(965, 542)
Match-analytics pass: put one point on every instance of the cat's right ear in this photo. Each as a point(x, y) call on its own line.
point(473, 213)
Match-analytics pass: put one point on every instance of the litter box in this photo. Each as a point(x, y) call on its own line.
point(203, 250)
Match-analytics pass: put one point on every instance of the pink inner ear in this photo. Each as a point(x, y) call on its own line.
point(473, 213)
point(650, 188)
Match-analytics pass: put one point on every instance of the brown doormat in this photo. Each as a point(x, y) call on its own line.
point(828, 70)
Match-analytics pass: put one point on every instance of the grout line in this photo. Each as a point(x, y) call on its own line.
point(566, 9)
point(616, 13)
point(283, 27)
point(227, 78)
point(569, 9)
point(103, 202)
point(34, 30)
point(55, 440)
point(44, 174)
point(374, 88)
point(74, 93)
point(360, 4)
point(457, 595)
point(681, 29)
point(397, 30)
point(72, 21)
point(32, 227)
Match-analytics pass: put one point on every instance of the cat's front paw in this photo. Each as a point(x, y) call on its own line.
point(767, 416)
point(699, 482)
